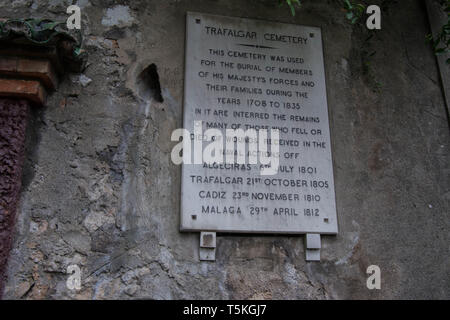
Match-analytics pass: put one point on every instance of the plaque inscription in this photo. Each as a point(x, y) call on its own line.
point(251, 74)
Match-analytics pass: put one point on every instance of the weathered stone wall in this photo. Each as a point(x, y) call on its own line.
point(100, 190)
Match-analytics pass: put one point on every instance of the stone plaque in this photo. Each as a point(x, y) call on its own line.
point(252, 74)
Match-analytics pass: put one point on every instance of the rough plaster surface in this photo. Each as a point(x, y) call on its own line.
point(101, 192)
point(13, 123)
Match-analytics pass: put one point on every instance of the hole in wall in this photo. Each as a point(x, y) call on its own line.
point(148, 84)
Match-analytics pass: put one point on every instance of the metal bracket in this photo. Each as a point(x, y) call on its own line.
point(207, 250)
point(313, 246)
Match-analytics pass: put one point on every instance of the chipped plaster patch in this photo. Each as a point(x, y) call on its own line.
point(354, 241)
point(118, 16)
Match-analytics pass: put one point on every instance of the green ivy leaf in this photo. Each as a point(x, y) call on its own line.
point(348, 4)
point(440, 51)
point(436, 42)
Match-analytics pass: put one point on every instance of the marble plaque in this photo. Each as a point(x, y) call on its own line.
point(252, 74)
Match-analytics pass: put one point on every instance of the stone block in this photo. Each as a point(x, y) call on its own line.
point(32, 69)
point(32, 90)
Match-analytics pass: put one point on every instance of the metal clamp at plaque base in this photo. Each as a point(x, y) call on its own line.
point(313, 245)
point(207, 248)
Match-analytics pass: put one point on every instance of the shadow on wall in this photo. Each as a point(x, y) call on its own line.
point(148, 85)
